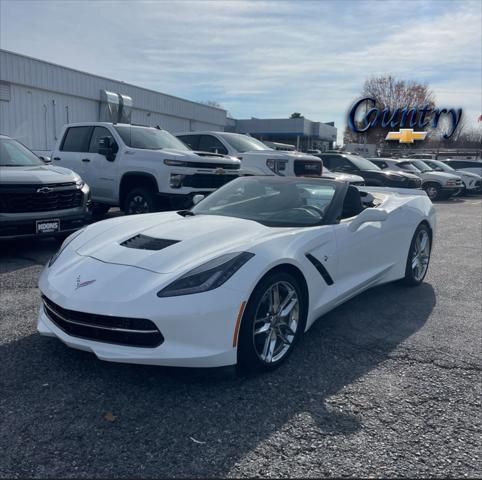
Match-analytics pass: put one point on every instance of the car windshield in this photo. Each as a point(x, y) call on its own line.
point(362, 163)
point(409, 167)
point(272, 201)
point(422, 166)
point(148, 138)
point(243, 143)
point(14, 154)
point(440, 165)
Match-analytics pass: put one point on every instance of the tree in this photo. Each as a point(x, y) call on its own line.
point(211, 103)
point(392, 93)
point(296, 115)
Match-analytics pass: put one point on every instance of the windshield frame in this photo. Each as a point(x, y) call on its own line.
point(331, 212)
point(26, 152)
point(125, 133)
point(232, 140)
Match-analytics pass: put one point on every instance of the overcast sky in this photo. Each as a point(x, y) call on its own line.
point(263, 59)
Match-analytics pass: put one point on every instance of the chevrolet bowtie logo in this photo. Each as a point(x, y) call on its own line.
point(406, 135)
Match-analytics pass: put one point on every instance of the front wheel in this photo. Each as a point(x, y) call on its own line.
point(272, 323)
point(140, 200)
point(418, 256)
point(433, 191)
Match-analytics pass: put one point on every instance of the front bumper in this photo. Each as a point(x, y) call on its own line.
point(24, 224)
point(197, 330)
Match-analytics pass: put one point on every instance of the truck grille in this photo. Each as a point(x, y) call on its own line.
point(133, 332)
point(224, 166)
point(308, 168)
point(39, 198)
point(208, 180)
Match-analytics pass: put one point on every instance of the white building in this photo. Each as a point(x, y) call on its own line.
point(37, 98)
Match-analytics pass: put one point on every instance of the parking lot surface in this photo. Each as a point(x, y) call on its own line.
point(388, 384)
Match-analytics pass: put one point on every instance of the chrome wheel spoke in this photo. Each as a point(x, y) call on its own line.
point(289, 308)
point(274, 298)
point(263, 329)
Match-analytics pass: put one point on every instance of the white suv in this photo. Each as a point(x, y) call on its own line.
point(140, 169)
point(436, 184)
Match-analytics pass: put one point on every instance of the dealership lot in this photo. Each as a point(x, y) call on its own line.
point(387, 384)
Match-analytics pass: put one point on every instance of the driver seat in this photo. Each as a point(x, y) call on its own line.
point(352, 204)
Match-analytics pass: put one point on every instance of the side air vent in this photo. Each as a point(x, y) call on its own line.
point(321, 269)
point(143, 242)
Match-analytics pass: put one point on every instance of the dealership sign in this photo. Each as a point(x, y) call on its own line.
point(404, 119)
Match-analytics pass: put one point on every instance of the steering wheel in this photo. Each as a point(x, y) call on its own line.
point(317, 210)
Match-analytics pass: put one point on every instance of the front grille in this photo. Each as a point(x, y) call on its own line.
point(27, 198)
point(308, 168)
point(143, 242)
point(224, 166)
point(208, 180)
point(133, 332)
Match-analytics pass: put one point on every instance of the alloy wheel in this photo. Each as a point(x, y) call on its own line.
point(276, 322)
point(421, 255)
point(432, 192)
point(138, 204)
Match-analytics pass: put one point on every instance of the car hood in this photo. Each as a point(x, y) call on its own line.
point(442, 176)
point(342, 177)
point(402, 174)
point(187, 156)
point(279, 154)
point(463, 174)
point(35, 175)
point(198, 240)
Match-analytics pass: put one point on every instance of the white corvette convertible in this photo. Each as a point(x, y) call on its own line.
point(235, 280)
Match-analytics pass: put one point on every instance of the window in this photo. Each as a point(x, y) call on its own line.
point(14, 154)
point(464, 164)
point(100, 132)
point(208, 143)
point(380, 163)
point(243, 143)
point(147, 138)
point(338, 163)
point(76, 139)
point(192, 141)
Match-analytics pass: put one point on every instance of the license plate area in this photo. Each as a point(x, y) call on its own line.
point(47, 226)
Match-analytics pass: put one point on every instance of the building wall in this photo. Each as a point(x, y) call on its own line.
point(37, 98)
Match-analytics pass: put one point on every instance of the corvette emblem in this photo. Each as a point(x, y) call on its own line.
point(219, 171)
point(79, 284)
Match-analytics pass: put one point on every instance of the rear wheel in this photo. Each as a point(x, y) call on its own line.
point(272, 323)
point(418, 256)
point(433, 191)
point(140, 200)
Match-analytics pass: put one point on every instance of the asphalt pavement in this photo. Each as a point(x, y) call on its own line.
point(389, 384)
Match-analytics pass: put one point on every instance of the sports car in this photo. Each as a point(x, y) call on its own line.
point(238, 278)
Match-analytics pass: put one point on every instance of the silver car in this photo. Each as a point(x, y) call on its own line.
point(38, 199)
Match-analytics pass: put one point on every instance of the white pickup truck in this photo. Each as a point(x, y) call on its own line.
point(140, 169)
point(257, 158)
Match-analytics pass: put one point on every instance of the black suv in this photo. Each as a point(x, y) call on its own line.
point(373, 175)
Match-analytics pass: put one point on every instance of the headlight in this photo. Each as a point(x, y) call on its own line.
point(209, 276)
point(64, 245)
point(451, 183)
point(277, 166)
point(79, 183)
point(175, 163)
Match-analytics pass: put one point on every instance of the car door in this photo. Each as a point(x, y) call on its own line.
point(365, 255)
point(74, 143)
point(99, 172)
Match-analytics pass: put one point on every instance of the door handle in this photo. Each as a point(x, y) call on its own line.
point(86, 159)
point(57, 158)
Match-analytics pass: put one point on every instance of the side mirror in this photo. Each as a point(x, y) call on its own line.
point(368, 215)
point(197, 198)
point(107, 148)
point(45, 159)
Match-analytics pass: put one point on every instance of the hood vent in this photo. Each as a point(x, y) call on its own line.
point(143, 242)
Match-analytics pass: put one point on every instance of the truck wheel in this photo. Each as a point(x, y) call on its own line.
point(432, 190)
point(140, 200)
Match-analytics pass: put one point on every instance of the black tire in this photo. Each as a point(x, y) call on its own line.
point(99, 209)
point(433, 191)
point(410, 278)
point(248, 357)
point(140, 200)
